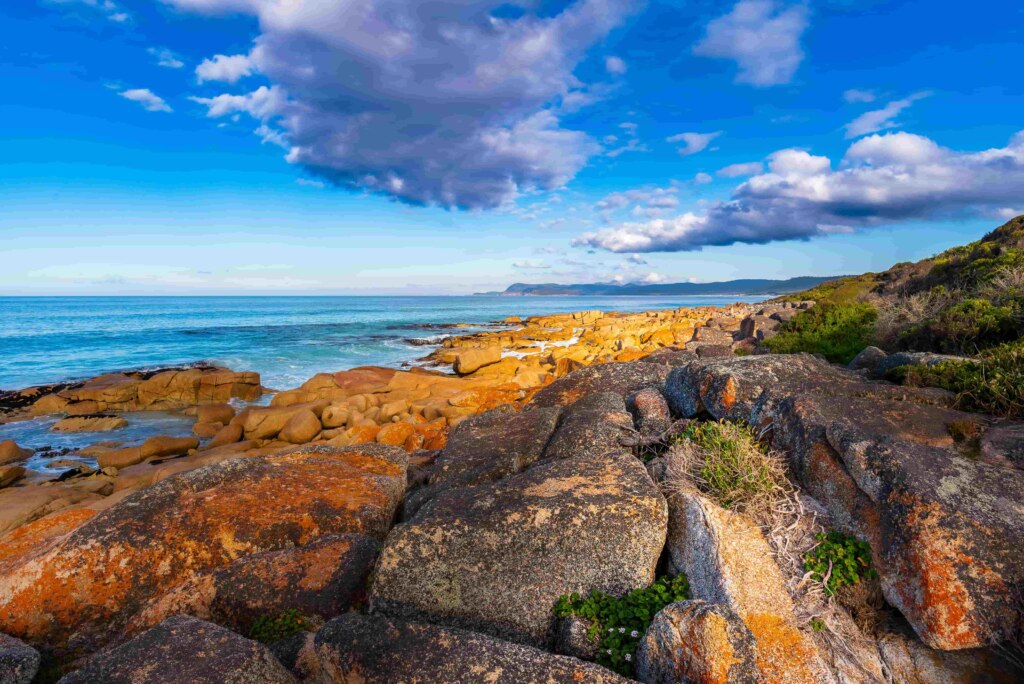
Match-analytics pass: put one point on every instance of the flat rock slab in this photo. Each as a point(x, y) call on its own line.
point(620, 378)
point(80, 590)
point(377, 650)
point(184, 650)
point(495, 558)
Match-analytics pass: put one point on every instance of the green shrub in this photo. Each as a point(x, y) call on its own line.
point(837, 331)
point(964, 328)
point(993, 382)
point(618, 623)
point(270, 628)
point(838, 560)
point(728, 462)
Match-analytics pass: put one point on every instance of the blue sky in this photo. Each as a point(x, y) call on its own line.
point(393, 146)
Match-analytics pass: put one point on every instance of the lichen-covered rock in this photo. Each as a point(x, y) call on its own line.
point(85, 586)
point(19, 662)
point(485, 448)
point(906, 659)
point(496, 557)
point(901, 359)
point(727, 561)
point(868, 360)
point(184, 650)
point(620, 378)
point(698, 643)
point(572, 638)
point(377, 650)
point(650, 411)
point(591, 427)
point(321, 579)
point(944, 528)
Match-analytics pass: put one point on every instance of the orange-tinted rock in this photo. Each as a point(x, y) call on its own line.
point(472, 359)
point(120, 458)
point(11, 452)
point(361, 434)
point(302, 427)
point(321, 579)
point(90, 583)
point(228, 434)
point(99, 423)
point(204, 430)
point(215, 413)
point(621, 378)
point(266, 423)
point(395, 434)
point(9, 474)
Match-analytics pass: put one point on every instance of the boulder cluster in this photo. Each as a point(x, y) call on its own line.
point(392, 526)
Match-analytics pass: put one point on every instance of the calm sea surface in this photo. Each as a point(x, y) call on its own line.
point(286, 339)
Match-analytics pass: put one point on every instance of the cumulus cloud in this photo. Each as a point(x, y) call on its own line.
point(431, 103)
point(880, 119)
point(636, 259)
point(646, 199)
point(529, 265)
point(615, 65)
point(762, 37)
point(881, 180)
point(149, 100)
point(744, 169)
point(166, 58)
point(703, 178)
point(693, 142)
point(225, 68)
point(858, 95)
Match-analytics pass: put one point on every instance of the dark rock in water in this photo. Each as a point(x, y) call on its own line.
point(485, 448)
point(595, 426)
point(373, 649)
point(699, 643)
point(620, 378)
point(184, 650)
point(19, 662)
point(496, 557)
point(945, 529)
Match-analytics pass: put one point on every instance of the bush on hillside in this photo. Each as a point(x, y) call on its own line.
point(837, 331)
point(992, 383)
point(964, 328)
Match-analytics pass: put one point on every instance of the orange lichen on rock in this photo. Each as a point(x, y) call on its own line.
point(784, 654)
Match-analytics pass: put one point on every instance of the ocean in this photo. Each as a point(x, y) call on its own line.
point(286, 339)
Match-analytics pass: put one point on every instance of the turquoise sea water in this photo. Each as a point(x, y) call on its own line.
point(286, 339)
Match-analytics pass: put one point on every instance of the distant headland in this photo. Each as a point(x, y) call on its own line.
point(749, 286)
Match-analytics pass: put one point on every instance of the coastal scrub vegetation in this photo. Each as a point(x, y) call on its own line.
point(728, 462)
point(838, 560)
point(992, 382)
point(618, 623)
point(837, 331)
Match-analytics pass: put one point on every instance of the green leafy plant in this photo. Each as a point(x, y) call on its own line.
point(818, 625)
point(838, 560)
point(993, 382)
point(618, 623)
point(270, 628)
point(726, 461)
point(964, 327)
point(837, 331)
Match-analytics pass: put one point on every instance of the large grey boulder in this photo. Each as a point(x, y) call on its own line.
point(592, 427)
point(377, 650)
point(184, 650)
point(620, 378)
point(496, 557)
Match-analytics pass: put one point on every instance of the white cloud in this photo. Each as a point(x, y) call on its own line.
point(431, 103)
point(310, 183)
point(880, 119)
point(653, 278)
point(226, 68)
point(737, 170)
point(881, 180)
point(615, 65)
point(703, 178)
point(149, 100)
point(858, 95)
point(644, 198)
point(762, 37)
point(636, 259)
point(108, 8)
point(693, 142)
point(166, 58)
point(530, 265)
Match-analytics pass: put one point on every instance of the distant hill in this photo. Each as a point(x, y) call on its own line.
point(728, 287)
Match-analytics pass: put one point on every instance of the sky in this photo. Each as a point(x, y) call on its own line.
point(178, 147)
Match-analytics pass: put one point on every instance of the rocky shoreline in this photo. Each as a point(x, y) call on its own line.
point(383, 525)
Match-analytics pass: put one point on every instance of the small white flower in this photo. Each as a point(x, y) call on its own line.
point(611, 629)
point(622, 630)
point(628, 657)
point(609, 651)
point(634, 634)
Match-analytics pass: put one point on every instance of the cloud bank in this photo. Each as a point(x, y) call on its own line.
point(431, 103)
point(881, 179)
